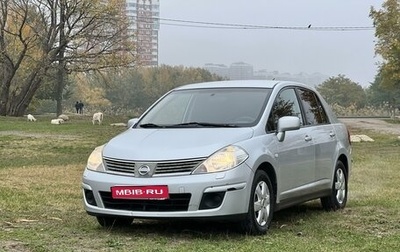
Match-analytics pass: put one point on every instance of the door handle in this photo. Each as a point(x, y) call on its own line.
point(332, 134)
point(307, 138)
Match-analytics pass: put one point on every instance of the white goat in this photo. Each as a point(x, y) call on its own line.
point(57, 121)
point(97, 117)
point(31, 118)
point(64, 117)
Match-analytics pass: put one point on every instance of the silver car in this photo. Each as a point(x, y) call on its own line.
point(232, 150)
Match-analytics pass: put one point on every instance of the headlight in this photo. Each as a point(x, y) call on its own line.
point(225, 159)
point(95, 160)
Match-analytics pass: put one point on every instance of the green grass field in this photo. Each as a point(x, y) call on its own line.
point(41, 205)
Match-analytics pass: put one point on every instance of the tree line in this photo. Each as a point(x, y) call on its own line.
point(67, 50)
point(130, 90)
point(350, 98)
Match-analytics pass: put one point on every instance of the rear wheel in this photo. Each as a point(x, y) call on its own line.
point(338, 197)
point(261, 205)
point(114, 221)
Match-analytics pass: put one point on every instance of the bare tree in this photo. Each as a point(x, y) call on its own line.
point(72, 35)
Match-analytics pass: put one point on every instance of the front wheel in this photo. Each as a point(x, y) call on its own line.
point(338, 198)
point(261, 205)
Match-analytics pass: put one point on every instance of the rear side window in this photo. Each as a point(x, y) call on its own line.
point(285, 104)
point(313, 110)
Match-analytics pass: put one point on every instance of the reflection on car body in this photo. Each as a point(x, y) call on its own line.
point(232, 150)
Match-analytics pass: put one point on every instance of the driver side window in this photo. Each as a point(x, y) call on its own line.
point(285, 104)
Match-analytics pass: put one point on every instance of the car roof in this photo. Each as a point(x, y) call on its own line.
point(238, 84)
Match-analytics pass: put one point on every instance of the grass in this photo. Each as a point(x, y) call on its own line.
point(41, 205)
point(393, 121)
point(40, 143)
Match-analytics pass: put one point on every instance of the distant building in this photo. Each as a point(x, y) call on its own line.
point(144, 25)
point(240, 71)
point(218, 69)
point(310, 79)
point(236, 71)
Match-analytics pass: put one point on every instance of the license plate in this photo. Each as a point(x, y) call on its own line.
point(159, 192)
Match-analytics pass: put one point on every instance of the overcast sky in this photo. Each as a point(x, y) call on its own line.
point(349, 52)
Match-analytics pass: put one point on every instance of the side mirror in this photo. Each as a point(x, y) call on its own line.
point(287, 123)
point(132, 122)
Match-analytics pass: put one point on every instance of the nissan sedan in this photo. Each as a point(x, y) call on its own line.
point(231, 150)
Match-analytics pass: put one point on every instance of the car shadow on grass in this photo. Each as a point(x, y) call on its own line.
point(203, 229)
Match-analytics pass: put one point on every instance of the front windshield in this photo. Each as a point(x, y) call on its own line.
point(214, 107)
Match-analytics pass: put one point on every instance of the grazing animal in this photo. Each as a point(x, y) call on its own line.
point(31, 118)
point(97, 117)
point(64, 117)
point(57, 121)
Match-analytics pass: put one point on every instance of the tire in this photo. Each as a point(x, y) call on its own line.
point(338, 198)
point(105, 221)
point(261, 205)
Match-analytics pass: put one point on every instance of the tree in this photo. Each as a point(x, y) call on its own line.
point(342, 91)
point(72, 35)
point(379, 95)
point(387, 31)
point(90, 93)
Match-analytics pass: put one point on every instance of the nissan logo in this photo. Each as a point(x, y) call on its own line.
point(144, 170)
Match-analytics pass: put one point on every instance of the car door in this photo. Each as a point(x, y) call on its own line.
point(323, 135)
point(296, 154)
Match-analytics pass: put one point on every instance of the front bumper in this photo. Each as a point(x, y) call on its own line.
point(232, 186)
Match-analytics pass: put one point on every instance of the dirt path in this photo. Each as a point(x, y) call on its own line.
point(372, 124)
point(35, 135)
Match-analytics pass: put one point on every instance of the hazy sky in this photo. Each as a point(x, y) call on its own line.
point(349, 52)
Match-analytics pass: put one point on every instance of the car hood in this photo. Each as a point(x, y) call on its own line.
point(172, 144)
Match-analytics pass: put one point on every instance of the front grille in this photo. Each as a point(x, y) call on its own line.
point(118, 165)
point(128, 167)
point(177, 166)
point(176, 202)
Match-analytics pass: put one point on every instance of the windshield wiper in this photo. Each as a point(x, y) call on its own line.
point(151, 125)
point(202, 124)
point(189, 125)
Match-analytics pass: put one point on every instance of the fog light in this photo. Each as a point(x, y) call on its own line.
point(211, 200)
point(90, 198)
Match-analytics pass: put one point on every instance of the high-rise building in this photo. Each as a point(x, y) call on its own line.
point(144, 25)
